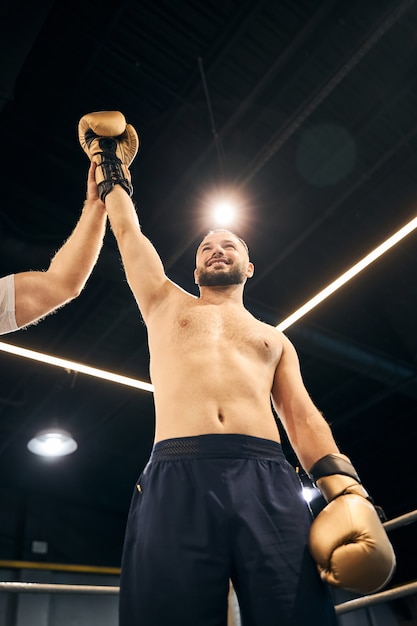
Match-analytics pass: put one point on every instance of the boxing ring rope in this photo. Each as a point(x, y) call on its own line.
point(345, 607)
point(376, 598)
point(402, 520)
point(15, 587)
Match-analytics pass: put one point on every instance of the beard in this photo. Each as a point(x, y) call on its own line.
point(236, 276)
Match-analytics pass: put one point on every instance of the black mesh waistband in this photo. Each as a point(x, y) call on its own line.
point(216, 446)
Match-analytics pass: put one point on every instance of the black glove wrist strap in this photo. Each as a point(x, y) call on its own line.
point(332, 464)
point(107, 185)
point(111, 167)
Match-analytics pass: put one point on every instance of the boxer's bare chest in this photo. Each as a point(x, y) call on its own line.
point(194, 325)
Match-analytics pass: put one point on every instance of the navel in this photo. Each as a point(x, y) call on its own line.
point(221, 418)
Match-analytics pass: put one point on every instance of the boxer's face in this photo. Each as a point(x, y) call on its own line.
point(222, 259)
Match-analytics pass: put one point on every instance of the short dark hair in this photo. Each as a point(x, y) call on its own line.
point(226, 230)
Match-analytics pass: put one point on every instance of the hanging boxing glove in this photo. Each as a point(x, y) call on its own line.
point(347, 539)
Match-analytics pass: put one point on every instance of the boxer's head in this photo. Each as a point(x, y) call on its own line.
point(222, 259)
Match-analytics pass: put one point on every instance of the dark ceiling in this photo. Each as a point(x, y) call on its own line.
point(309, 107)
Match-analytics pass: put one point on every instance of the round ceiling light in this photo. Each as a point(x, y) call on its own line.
point(52, 443)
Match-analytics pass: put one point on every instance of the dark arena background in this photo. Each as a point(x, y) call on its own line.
point(307, 113)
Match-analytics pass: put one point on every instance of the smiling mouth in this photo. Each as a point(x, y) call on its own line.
point(214, 261)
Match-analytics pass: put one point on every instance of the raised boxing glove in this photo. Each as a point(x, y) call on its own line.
point(347, 539)
point(112, 144)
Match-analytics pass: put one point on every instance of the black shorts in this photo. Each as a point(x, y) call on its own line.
point(212, 508)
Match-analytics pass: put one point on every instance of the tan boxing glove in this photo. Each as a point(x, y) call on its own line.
point(347, 539)
point(112, 144)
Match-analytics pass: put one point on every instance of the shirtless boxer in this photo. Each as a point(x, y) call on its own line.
point(27, 297)
point(217, 499)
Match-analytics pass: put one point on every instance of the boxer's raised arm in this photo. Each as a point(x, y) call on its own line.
point(143, 267)
point(112, 144)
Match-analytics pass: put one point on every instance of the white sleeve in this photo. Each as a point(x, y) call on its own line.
point(7, 305)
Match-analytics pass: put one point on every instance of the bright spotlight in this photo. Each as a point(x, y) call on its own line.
point(52, 443)
point(223, 205)
point(224, 212)
point(309, 493)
